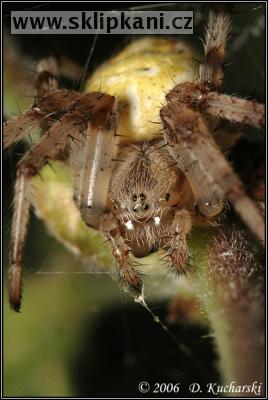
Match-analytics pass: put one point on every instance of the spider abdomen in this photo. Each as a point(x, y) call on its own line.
point(140, 76)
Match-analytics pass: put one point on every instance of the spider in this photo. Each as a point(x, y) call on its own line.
point(142, 190)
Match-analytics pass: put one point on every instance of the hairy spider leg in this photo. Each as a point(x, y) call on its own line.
point(192, 145)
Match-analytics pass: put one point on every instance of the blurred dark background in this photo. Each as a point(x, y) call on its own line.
point(78, 335)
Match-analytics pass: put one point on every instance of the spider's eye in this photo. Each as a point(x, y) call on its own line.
point(142, 196)
point(146, 207)
point(134, 198)
point(167, 196)
point(115, 205)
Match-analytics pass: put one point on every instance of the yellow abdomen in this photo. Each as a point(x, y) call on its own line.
point(139, 77)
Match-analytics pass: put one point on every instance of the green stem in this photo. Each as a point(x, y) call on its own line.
point(230, 288)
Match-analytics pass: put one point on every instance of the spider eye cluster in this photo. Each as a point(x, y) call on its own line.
point(140, 202)
point(115, 205)
point(141, 197)
point(166, 197)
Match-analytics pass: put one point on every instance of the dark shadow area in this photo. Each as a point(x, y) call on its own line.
point(127, 347)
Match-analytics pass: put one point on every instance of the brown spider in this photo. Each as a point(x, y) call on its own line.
point(165, 185)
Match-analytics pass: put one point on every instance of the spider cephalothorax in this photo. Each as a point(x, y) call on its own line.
point(141, 186)
point(147, 190)
point(142, 189)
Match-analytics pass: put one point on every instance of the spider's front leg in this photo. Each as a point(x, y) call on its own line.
point(77, 137)
point(191, 142)
point(128, 275)
point(182, 132)
point(91, 160)
point(92, 155)
point(52, 146)
point(176, 248)
point(207, 170)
